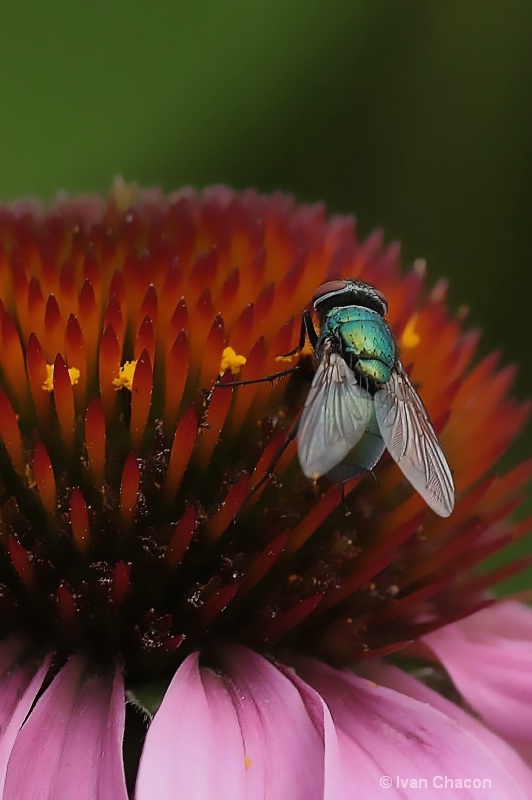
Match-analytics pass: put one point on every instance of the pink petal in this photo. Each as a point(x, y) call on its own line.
point(22, 671)
point(71, 744)
point(250, 732)
point(193, 747)
point(287, 728)
point(489, 658)
point(396, 679)
point(384, 734)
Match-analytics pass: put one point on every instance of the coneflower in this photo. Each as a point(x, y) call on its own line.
point(156, 580)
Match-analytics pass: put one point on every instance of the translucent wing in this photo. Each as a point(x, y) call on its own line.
point(336, 413)
point(364, 455)
point(410, 438)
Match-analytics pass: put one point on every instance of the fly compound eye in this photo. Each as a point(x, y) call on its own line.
point(326, 289)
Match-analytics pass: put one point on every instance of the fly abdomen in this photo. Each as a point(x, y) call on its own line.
point(370, 371)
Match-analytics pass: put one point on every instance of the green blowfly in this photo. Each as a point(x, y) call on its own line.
point(361, 400)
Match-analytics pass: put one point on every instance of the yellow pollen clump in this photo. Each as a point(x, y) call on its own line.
point(125, 378)
point(410, 337)
point(48, 385)
point(247, 761)
point(230, 360)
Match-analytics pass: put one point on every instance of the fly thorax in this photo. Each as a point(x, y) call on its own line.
point(366, 342)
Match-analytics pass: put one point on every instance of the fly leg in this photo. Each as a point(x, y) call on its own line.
point(347, 512)
point(290, 436)
point(307, 329)
point(266, 379)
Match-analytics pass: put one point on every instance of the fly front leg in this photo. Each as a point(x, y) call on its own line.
point(266, 379)
point(307, 329)
point(268, 475)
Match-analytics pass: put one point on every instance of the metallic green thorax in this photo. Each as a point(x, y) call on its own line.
point(364, 341)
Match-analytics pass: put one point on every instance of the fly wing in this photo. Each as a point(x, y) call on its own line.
point(336, 413)
point(364, 456)
point(412, 442)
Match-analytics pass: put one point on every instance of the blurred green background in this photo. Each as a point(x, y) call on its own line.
point(415, 115)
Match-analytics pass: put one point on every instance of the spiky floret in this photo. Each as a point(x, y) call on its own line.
point(126, 518)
